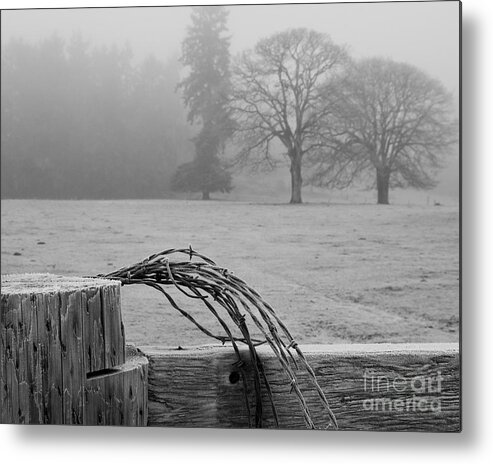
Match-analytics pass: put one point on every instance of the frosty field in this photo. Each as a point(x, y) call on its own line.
point(334, 273)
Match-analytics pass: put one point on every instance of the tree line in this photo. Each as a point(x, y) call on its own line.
point(299, 97)
point(86, 122)
point(296, 98)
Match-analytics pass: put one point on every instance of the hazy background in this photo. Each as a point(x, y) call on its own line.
point(424, 34)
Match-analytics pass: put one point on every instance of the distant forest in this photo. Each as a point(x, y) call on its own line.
point(85, 122)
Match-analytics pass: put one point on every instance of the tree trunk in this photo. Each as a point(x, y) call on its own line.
point(383, 177)
point(296, 180)
point(206, 196)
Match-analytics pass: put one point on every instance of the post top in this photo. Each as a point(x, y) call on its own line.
point(49, 283)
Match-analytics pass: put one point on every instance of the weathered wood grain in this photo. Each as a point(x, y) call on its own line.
point(135, 392)
point(183, 388)
point(11, 305)
point(49, 369)
point(114, 336)
point(29, 393)
point(58, 334)
point(93, 330)
point(4, 403)
point(369, 387)
point(118, 396)
point(73, 368)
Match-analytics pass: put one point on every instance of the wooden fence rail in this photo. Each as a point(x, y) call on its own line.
point(64, 361)
point(370, 387)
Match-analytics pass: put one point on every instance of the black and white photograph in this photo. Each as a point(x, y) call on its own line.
point(232, 216)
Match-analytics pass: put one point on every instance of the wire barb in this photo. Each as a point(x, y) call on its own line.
point(200, 278)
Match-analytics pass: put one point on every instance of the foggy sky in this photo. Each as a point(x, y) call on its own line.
point(425, 34)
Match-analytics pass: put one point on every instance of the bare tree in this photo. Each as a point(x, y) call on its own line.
point(278, 98)
point(397, 123)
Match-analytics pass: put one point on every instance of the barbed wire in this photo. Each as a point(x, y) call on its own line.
point(200, 278)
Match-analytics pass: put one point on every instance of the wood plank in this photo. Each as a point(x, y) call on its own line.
point(134, 393)
point(183, 386)
point(21, 364)
point(94, 350)
point(13, 315)
point(119, 396)
point(73, 368)
point(370, 387)
point(30, 393)
point(7, 395)
point(50, 357)
point(3, 359)
point(41, 360)
point(114, 336)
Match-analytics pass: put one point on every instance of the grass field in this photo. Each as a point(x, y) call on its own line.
point(334, 273)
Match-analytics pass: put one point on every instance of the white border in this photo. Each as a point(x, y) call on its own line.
point(80, 445)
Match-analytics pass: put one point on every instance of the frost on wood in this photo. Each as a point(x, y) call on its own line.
point(48, 283)
point(61, 338)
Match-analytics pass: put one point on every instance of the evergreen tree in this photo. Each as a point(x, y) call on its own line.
point(206, 92)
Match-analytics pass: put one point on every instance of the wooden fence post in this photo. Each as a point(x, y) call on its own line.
point(63, 358)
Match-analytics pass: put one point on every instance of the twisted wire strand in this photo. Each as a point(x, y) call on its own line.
point(203, 280)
